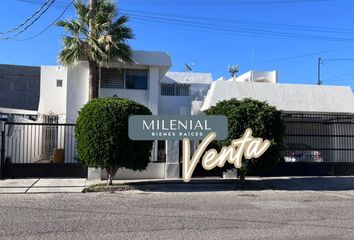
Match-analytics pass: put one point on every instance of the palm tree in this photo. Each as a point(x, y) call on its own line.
point(106, 42)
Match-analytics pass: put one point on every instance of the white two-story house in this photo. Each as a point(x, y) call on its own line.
point(64, 90)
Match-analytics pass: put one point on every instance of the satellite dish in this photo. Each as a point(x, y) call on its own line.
point(188, 67)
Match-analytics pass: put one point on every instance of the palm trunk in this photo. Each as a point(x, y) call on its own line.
point(93, 80)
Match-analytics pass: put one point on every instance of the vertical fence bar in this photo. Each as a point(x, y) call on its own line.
point(2, 154)
point(27, 159)
point(71, 144)
point(31, 142)
point(332, 136)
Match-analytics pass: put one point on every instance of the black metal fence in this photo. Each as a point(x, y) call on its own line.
point(39, 149)
point(40, 143)
point(317, 145)
point(319, 138)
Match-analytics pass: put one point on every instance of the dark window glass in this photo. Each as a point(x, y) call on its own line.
point(182, 90)
point(168, 89)
point(112, 78)
point(175, 89)
point(136, 79)
point(161, 151)
point(59, 82)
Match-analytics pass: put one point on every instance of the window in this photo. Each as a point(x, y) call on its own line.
point(59, 82)
point(136, 79)
point(175, 89)
point(161, 151)
point(182, 90)
point(168, 89)
point(124, 78)
point(112, 78)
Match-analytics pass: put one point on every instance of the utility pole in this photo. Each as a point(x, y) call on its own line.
point(324, 61)
point(319, 62)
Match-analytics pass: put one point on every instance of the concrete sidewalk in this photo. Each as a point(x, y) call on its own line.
point(292, 183)
point(42, 185)
point(76, 185)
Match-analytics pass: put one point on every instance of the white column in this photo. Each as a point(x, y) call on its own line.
point(172, 159)
point(154, 149)
point(154, 90)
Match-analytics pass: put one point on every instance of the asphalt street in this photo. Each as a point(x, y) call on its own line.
point(266, 214)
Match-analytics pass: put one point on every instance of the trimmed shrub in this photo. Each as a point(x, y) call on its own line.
point(264, 120)
point(102, 136)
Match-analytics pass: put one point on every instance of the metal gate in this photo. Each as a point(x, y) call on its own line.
point(317, 145)
point(39, 150)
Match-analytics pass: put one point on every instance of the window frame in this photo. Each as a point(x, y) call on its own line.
point(178, 88)
point(138, 70)
point(59, 82)
point(124, 70)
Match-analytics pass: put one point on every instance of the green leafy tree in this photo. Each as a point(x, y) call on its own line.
point(108, 40)
point(102, 136)
point(264, 120)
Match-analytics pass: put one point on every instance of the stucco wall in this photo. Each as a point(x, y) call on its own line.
point(181, 105)
point(77, 87)
point(155, 170)
point(53, 98)
point(256, 76)
point(77, 94)
point(174, 105)
point(140, 96)
point(154, 89)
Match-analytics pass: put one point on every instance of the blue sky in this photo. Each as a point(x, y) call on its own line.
point(286, 35)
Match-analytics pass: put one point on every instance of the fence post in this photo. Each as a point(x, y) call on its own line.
point(2, 147)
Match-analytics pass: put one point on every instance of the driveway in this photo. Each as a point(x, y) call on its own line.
point(42, 185)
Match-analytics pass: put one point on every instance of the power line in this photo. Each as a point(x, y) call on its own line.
point(239, 1)
point(320, 61)
point(341, 80)
point(50, 25)
point(338, 59)
point(248, 28)
point(234, 21)
point(306, 55)
point(236, 29)
point(209, 2)
point(339, 76)
point(229, 2)
point(249, 23)
point(245, 28)
point(29, 25)
point(27, 20)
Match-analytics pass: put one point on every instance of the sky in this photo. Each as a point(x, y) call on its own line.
point(284, 35)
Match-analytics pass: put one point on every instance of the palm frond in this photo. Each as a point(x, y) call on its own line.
point(73, 49)
point(122, 53)
point(108, 41)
